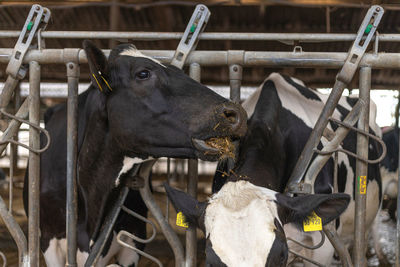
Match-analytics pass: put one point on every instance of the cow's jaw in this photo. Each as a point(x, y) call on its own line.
point(239, 222)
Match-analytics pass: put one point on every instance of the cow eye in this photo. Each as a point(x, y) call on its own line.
point(143, 74)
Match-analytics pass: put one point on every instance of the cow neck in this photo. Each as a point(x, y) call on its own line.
point(261, 158)
point(100, 161)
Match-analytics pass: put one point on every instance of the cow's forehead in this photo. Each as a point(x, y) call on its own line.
point(133, 52)
point(239, 222)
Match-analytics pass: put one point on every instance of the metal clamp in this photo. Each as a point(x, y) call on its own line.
point(37, 19)
point(368, 26)
point(189, 40)
point(364, 36)
point(40, 129)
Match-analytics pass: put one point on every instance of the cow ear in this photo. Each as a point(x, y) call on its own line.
point(192, 209)
point(98, 65)
point(297, 209)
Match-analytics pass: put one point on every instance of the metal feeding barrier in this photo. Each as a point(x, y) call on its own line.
point(235, 61)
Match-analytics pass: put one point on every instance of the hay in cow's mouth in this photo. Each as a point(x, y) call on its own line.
point(226, 148)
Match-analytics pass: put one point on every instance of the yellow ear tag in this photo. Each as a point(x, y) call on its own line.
point(181, 220)
point(312, 223)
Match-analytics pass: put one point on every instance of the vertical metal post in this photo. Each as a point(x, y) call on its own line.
point(362, 171)
point(235, 80)
point(114, 19)
point(193, 177)
point(34, 165)
point(13, 152)
point(72, 148)
point(398, 195)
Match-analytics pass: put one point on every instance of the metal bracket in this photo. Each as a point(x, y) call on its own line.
point(37, 20)
point(189, 40)
point(364, 36)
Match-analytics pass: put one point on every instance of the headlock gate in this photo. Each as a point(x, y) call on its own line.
point(26, 52)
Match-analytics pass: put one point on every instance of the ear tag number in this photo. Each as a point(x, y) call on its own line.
point(181, 220)
point(312, 223)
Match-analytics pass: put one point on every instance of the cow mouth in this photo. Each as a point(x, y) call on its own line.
point(216, 147)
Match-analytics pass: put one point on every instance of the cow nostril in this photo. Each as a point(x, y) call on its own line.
point(231, 116)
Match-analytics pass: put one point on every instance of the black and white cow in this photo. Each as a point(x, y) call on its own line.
point(135, 109)
point(390, 164)
point(389, 170)
point(282, 113)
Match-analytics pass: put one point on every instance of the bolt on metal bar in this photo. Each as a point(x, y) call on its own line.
point(362, 170)
point(234, 36)
point(72, 151)
point(34, 165)
point(235, 80)
point(193, 178)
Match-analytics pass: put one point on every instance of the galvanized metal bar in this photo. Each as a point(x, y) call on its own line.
point(16, 233)
point(398, 203)
point(221, 58)
point(154, 36)
point(341, 132)
point(106, 230)
point(34, 165)
point(72, 152)
point(235, 81)
point(362, 170)
point(193, 178)
point(14, 125)
point(8, 90)
point(151, 204)
point(340, 248)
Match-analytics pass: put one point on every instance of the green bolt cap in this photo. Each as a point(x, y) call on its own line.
point(368, 29)
point(30, 25)
point(193, 28)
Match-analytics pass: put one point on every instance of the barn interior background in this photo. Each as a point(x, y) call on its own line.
point(263, 16)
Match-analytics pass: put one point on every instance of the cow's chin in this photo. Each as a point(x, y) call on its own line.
point(214, 149)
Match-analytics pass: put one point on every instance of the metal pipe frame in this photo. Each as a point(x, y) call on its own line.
point(155, 36)
point(72, 151)
point(34, 165)
point(193, 178)
point(362, 170)
point(223, 58)
point(151, 204)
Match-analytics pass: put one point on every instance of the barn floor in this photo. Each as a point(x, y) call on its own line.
point(160, 248)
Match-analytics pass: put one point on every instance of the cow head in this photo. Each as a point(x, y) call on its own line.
point(156, 110)
point(243, 223)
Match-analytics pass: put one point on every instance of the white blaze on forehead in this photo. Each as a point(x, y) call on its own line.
point(239, 222)
point(133, 52)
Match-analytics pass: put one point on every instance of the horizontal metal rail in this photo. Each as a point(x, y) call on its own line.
point(235, 36)
point(223, 58)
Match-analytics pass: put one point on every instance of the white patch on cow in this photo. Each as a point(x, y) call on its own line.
point(239, 222)
point(126, 256)
point(55, 255)
point(307, 110)
point(127, 164)
point(133, 52)
point(389, 182)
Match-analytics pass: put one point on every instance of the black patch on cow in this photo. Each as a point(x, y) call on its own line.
point(278, 253)
point(391, 139)
point(304, 91)
point(212, 259)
